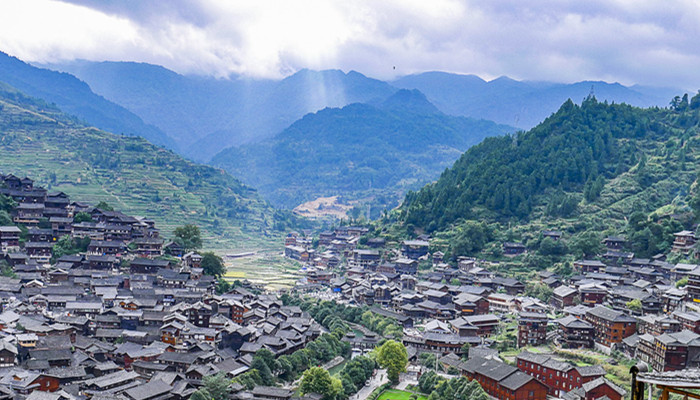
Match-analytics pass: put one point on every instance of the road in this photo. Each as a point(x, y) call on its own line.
point(374, 383)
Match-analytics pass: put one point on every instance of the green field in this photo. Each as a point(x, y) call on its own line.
point(393, 394)
point(267, 266)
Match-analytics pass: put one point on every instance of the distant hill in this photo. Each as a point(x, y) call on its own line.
point(521, 104)
point(585, 171)
point(205, 115)
point(133, 175)
point(75, 97)
point(359, 151)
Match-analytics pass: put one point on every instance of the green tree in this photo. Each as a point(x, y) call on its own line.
point(82, 217)
point(104, 206)
point(222, 286)
point(188, 236)
point(634, 305)
point(263, 369)
point(318, 380)
point(212, 264)
point(214, 387)
point(682, 282)
point(392, 355)
point(465, 351)
point(587, 244)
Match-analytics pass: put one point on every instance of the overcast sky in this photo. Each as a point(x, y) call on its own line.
point(639, 41)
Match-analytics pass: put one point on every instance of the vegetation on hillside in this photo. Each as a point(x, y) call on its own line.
point(139, 178)
point(588, 171)
point(359, 151)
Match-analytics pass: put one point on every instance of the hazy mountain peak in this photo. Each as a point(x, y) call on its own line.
point(409, 100)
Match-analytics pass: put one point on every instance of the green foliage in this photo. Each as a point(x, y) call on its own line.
point(82, 217)
point(577, 149)
point(214, 387)
point(586, 245)
point(189, 237)
point(318, 380)
point(67, 245)
point(634, 305)
point(682, 282)
point(648, 237)
point(6, 270)
point(384, 326)
point(392, 356)
point(249, 379)
point(539, 291)
point(469, 238)
point(7, 204)
point(222, 286)
point(102, 205)
point(355, 373)
point(212, 264)
point(359, 150)
point(93, 165)
point(262, 364)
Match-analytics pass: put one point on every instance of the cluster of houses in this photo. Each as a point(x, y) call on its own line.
point(613, 303)
point(152, 335)
point(118, 321)
point(47, 217)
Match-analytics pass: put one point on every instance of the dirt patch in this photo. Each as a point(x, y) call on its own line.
point(323, 207)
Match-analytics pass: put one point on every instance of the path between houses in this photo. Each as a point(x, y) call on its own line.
point(379, 379)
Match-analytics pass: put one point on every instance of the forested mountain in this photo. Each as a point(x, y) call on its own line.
point(75, 97)
point(521, 104)
point(91, 165)
point(206, 115)
point(587, 168)
point(359, 151)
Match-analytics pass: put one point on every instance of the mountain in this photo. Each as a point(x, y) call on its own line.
point(521, 103)
point(205, 115)
point(587, 169)
point(91, 165)
point(75, 97)
point(359, 151)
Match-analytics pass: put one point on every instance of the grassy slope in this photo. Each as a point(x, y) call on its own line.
point(141, 179)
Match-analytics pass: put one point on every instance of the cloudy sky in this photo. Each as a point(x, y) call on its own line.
point(638, 41)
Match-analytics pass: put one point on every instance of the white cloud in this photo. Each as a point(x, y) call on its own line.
point(646, 42)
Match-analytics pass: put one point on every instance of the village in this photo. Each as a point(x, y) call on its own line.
point(134, 316)
point(620, 309)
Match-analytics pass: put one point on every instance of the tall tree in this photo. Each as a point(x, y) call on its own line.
point(392, 355)
point(188, 236)
point(212, 264)
point(318, 380)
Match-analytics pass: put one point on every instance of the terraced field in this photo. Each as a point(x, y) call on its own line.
point(129, 173)
point(267, 266)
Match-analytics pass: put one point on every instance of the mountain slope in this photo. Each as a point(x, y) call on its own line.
point(135, 176)
point(520, 103)
point(206, 115)
point(75, 97)
point(357, 151)
point(591, 168)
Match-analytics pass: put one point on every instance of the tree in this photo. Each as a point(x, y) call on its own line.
point(682, 282)
point(392, 355)
point(215, 387)
point(318, 380)
point(465, 351)
point(634, 305)
point(212, 264)
point(263, 369)
point(188, 236)
point(586, 244)
point(222, 286)
point(82, 217)
point(104, 206)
